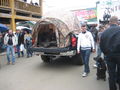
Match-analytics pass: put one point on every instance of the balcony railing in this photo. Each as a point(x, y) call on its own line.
point(27, 6)
point(21, 6)
point(5, 3)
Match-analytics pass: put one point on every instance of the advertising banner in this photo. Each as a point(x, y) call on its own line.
point(88, 14)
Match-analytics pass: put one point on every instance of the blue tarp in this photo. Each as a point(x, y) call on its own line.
point(3, 28)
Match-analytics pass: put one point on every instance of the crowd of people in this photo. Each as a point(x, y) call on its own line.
point(108, 42)
point(88, 39)
point(16, 43)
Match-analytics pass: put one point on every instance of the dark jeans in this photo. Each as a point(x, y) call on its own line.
point(85, 57)
point(114, 73)
point(29, 52)
point(18, 51)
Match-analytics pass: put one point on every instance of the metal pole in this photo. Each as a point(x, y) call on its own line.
point(41, 5)
point(13, 25)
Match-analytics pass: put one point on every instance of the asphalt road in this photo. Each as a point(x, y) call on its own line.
point(61, 74)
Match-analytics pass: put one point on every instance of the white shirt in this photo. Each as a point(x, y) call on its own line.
point(14, 39)
point(85, 41)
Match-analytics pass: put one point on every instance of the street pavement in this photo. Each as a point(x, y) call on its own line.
point(61, 74)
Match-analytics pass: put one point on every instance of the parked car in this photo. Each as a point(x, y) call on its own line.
point(53, 38)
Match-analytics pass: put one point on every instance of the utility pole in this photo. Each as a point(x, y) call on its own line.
point(12, 22)
point(41, 5)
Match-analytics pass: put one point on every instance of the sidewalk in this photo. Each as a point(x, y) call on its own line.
point(2, 58)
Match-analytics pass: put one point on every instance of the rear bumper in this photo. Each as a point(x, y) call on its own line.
point(54, 51)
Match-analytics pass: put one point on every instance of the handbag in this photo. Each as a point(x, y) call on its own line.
point(22, 47)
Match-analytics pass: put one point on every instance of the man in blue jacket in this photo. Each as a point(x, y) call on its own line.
point(110, 46)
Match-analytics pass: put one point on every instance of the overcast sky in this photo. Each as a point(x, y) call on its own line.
point(50, 5)
point(68, 4)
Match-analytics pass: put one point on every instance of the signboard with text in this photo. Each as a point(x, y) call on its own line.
point(108, 7)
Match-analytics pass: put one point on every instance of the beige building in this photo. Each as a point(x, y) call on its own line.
point(12, 11)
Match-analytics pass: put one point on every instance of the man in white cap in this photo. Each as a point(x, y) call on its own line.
point(84, 45)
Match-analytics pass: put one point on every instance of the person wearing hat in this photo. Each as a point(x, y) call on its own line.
point(84, 45)
point(109, 44)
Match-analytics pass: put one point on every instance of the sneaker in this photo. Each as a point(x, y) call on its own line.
point(95, 66)
point(84, 74)
point(13, 63)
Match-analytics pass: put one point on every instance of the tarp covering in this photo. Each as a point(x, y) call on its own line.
point(3, 28)
point(65, 22)
point(68, 17)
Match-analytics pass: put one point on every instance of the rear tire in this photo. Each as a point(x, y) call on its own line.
point(45, 59)
point(77, 59)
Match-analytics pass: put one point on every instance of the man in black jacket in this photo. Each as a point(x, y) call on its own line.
point(110, 46)
point(20, 36)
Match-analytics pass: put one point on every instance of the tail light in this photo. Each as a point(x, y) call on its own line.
point(33, 41)
point(74, 41)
